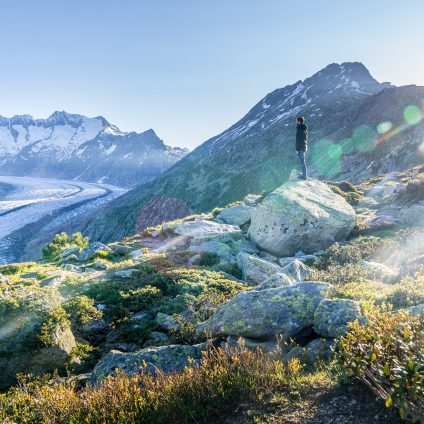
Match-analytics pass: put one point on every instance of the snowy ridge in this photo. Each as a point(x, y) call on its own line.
point(74, 146)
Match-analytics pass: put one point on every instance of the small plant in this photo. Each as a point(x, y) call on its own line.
point(62, 242)
point(387, 354)
point(209, 259)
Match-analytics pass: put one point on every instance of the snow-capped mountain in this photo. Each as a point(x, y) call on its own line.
point(76, 147)
point(344, 106)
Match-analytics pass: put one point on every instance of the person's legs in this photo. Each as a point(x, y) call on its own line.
point(301, 155)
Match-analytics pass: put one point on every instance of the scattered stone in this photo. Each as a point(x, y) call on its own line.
point(68, 252)
point(157, 338)
point(167, 322)
point(305, 215)
point(297, 271)
point(137, 254)
point(5, 280)
point(332, 317)
point(97, 326)
point(415, 310)
point(267, 346)
point(236, 215)
point(266, 313)
point(378, 270)
point(92, 250)
point(101, 265)
point(252, 199)
point(127, 273)
point(278, 279)
point(255, 270)
point(156, 233)
point(165, 358)
point(221, 249)
point(318, 349)
point(88, 269)
point(121, 249)
point(71, 258)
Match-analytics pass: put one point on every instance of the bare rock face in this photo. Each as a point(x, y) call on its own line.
point(300, 215)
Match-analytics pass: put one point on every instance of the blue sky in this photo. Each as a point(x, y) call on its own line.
point(191, 68)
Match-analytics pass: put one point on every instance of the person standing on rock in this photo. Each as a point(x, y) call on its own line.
point(302, 144)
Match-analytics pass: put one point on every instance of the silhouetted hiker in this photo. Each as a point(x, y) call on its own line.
point(302, 144)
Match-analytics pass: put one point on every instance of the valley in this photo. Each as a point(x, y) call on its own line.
point(31, 207)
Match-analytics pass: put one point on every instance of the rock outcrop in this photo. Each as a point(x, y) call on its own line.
point(263, 314)
point(300, 215)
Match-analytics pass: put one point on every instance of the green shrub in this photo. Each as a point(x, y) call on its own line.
point(387, 354)
point(54, 319)
point(81, 311)
point(62, 242)
point(361, 248)
point(209, 259)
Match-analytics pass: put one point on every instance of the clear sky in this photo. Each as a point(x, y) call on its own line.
point(191, 68)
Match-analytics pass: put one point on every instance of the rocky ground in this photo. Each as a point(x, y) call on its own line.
point(269, 269)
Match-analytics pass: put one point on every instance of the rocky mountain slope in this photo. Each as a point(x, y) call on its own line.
point(358, 128)
point(157, 300)
point(87, 149)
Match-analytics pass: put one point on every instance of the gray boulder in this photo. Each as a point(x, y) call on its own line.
point(92, 250)
point(236, 215)
point(332, 317)
point(121, 249)
point(254, 269)
point(127, 273)
point(167, 322)
point(297, 271)
point(300, 215)
point(68, 252)
point(265, 313)
point(318, 349)
point(165, 358)
point(278, 279)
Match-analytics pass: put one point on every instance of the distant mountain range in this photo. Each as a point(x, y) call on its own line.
point(358, 127)
point(76, 147)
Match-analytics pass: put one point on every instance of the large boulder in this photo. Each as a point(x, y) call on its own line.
point(300, 215)
point(297, 271)
point(333, 316)
point(263, 314)
point(254, 269)
point(236, 215)
point(165, 358)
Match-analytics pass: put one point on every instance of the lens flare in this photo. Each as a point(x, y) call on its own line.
point(326, 157)
point(347, 146)
point(384, 127)
point(364, 138)
point(412, 115)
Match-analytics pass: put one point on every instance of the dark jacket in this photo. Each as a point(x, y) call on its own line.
point(301, 137)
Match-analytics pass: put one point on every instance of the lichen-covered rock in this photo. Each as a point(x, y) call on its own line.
point(333, 316)
point(278, 279)
point(266, 346)
point(220, 249)
point(265, 313)
point(236, 215)
point(416, 310)
point(165, 358)
point(121, 249)
point(92, 250)
point(378, 270)
point(127, 273)
point(38, 362)
point(254, 269)
point(167, 322)
point(252, 199)
point(157, 338)
point(318, 349)
point(68, 252)
point(297, 271)
point(300, 215)
point(101, 265)
point(205, 230)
